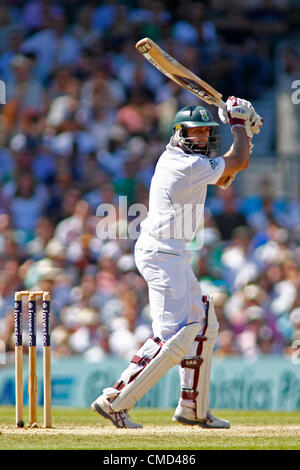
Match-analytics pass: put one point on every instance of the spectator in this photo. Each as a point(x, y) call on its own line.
point(23, 91)
point(104, 16)
point(239, 268)
point(27, 204)
point(36, 12)
point(14, 42)
point(6, 27)
point(230, 218)
point(43, 234)
point(83, 29)
point(138, 115)
point(53, 46)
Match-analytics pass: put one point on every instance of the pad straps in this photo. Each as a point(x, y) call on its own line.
point(140, 361)
point(196, 361)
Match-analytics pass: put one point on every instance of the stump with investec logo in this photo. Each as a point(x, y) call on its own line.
point(32, 376)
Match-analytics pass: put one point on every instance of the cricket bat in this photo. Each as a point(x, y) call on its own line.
point(178, 73)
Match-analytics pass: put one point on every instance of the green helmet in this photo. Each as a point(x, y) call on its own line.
point(194, 116)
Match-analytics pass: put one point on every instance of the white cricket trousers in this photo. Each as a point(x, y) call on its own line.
point(175, 296)
point(175, 300)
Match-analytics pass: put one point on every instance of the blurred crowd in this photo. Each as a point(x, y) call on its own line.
point(85, 119)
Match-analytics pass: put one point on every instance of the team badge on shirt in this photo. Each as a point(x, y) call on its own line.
point(214, 163)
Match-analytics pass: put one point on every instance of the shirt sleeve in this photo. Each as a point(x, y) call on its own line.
point(207, 170)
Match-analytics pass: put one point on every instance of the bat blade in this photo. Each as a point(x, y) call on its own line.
point(178, 73)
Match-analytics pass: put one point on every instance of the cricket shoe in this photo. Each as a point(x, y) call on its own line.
point(120, 419)
point(187, 415)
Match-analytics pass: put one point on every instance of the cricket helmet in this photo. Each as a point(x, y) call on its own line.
point(194, 116)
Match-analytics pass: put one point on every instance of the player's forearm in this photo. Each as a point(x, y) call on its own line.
point(240, 149)
point(237, 158)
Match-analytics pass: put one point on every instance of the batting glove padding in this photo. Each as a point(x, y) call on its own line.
point(256, 122)
point(253, 124)
point(237, 111)
point(241, 112)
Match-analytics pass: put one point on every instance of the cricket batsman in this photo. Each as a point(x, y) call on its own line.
point(184, 322)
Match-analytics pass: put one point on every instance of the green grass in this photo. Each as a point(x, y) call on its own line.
point(83, 429)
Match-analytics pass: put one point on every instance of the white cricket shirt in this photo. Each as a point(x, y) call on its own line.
point(176, 200)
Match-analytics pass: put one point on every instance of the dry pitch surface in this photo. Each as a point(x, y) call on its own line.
point(83, 429)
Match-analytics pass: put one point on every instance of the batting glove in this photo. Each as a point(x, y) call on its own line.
point(237, 111)
point(253, 125)
point(241, 112)
point(256, 122)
